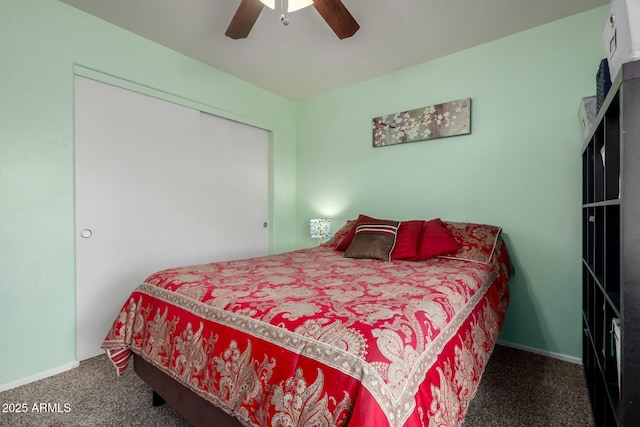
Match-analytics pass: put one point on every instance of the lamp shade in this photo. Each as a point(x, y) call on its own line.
point(292, 5)
point(320, 228)
point(271, 4)
point(298, 4)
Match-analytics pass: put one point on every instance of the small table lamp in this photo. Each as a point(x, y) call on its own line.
point(320, 228)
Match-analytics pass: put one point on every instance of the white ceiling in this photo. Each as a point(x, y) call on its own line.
point(306, 58)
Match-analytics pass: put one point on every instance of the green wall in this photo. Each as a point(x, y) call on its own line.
point(41, 41)
point(519, 168)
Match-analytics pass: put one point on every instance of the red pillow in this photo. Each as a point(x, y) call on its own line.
point(477, 241)
point(346, 241)
point(435, 239)
point(407, 240)
point(340, 234)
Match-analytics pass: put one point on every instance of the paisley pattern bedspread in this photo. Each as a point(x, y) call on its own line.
point(309, 338)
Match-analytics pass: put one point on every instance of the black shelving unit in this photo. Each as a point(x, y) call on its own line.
point(611, 254)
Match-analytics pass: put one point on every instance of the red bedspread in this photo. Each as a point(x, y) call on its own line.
point(309, 338)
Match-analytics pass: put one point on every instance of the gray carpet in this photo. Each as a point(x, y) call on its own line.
point(518, 389)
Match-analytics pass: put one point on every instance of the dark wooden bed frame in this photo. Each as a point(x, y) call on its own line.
point(193, 408)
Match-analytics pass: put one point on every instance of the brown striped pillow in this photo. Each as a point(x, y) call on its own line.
point(373, 241)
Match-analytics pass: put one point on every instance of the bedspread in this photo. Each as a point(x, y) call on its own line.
point(309, 338)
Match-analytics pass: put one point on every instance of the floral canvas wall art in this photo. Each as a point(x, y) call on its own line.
point(436, 121)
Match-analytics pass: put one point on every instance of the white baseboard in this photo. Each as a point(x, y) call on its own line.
point(559, 356)
point(39, 376)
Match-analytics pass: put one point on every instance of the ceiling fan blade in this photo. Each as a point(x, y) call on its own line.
point(243, 20)
point(337, 16)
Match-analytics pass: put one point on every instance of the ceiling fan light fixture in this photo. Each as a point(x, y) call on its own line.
point(271, 4)
point(298, 4)
point(333, 12)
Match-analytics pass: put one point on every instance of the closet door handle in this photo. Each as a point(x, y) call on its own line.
point(86, 233)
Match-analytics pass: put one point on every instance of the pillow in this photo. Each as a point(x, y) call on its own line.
point(340, 234)
point(435, 239)
point(346, 241)
point(478, 241)
point(373, 240)
point(407, 241)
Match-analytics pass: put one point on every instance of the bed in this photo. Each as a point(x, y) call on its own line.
point(326, 335)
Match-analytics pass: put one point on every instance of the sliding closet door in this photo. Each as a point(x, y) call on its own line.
point(158, 185)
point(237, 171)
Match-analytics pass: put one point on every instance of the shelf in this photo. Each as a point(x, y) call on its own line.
point(611, 254)
point(594, 284)
point(605, 399)
point(612, 202)
point(601, 247)
point(601, 159)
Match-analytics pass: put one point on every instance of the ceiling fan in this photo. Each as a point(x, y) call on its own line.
point(333, 11)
